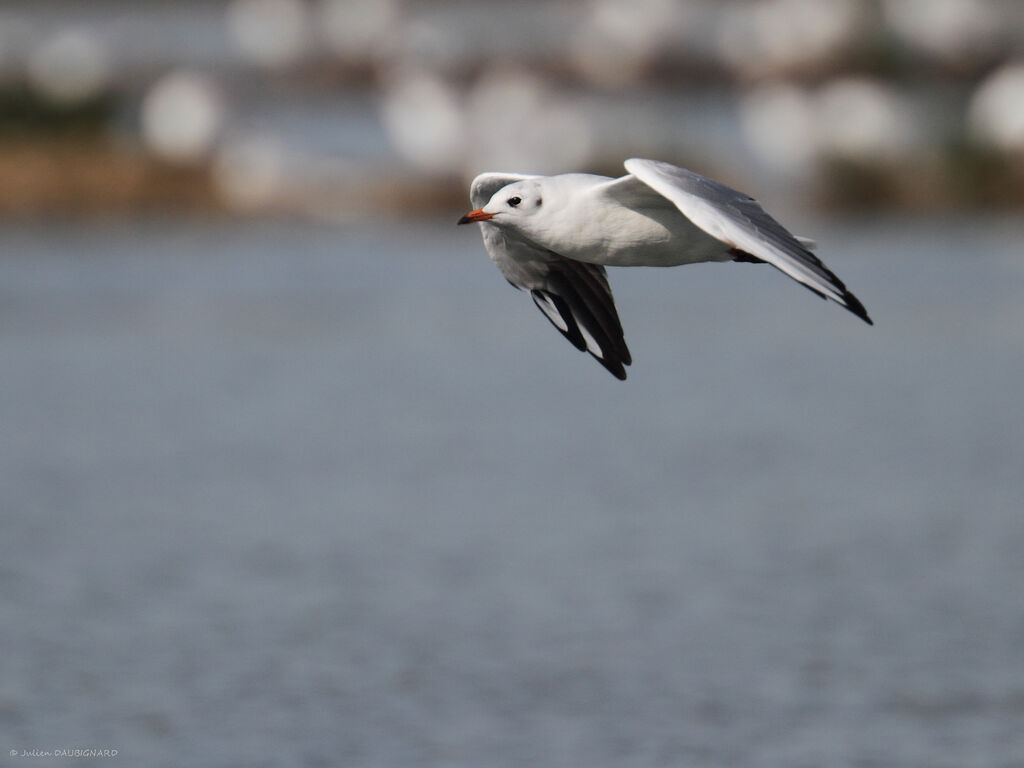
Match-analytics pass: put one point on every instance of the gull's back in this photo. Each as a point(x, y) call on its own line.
point(619, 222)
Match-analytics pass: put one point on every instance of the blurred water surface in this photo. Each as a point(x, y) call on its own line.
point(296, 494)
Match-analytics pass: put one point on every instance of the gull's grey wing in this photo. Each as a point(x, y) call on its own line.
point(574, 296)
point(740, 221)
point(486, 184)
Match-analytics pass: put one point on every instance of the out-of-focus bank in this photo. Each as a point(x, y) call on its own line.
point(345, 107)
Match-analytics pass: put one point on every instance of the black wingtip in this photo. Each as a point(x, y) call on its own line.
point(614, 367)
point(853, 304)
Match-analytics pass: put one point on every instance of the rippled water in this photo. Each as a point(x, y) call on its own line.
point(295, 495)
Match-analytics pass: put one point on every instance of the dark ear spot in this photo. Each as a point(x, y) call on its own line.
point(539, 201)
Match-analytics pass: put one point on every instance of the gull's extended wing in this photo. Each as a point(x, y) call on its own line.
point(574, 296)
point(739, 221)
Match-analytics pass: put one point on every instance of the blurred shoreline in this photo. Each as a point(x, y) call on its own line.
point(97, 177)
point(70, 177)
point(100, 177)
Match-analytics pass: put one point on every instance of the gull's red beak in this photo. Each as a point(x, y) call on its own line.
point(475, 216)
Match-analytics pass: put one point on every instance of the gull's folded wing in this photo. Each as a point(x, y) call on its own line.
point(740, 221)
point(574, 296)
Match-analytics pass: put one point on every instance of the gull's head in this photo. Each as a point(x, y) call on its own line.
point(511, 205)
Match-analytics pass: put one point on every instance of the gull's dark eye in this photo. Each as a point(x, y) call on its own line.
point(514, 201)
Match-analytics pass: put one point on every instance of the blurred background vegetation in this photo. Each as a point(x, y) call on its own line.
point(338, 108)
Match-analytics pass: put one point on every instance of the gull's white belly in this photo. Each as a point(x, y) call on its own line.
point(652, 237)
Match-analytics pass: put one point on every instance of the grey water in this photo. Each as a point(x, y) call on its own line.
point(295, 494)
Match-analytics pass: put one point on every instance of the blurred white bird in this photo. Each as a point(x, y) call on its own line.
point(553, 236)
